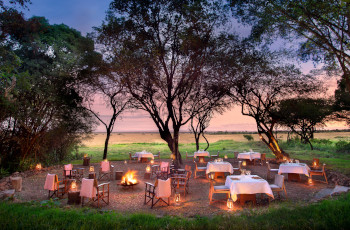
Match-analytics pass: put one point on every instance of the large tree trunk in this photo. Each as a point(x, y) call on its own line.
point(196, 137)
point(206, 141)
point(106, 144)
point(271, 142)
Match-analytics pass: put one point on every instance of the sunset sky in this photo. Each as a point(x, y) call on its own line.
point(84, 14)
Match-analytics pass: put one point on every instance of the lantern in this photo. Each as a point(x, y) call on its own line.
point(152, 161)
point(172, 156)
point(73, 186)
point(229, 204)
point(177, 199)
point(85, 155)
point(284, 158)
point(148, 169)
point(211, 175)
point(125, 162)
point(310, 182)
point(92, 169)
point(244, 163)
point(315, 164)
point(38, 167)
point(201, 160)
point(225, 157)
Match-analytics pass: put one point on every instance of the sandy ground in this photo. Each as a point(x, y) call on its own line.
point(119, 138)
point(195, 203)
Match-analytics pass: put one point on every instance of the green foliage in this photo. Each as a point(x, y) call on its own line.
point(343, 146)
point(248, 137)
point(327, 214)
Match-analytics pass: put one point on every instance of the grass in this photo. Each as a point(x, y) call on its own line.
point(327, 214)
point(323, 149)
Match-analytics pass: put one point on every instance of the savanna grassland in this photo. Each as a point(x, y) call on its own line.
point(333, 148)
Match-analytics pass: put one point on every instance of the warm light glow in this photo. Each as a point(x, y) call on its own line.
point(129, 178)
point(310, 182)
point(201, 160)
point(73, 186)
point(172, 156)
point(152, 161)
point(244, 163)
point(92, 169)
point(225, 157)
point(125, 162)
point(229, 203)
point(315, 164)
point(148, 168)
point(177, 198)
point(38, 167)
point(284, 158)
point(85, 155)
point(211, 176)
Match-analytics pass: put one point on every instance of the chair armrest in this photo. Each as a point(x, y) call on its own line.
point(150, 184)
point(100, 185)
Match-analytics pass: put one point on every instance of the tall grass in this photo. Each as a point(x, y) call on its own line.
point(328, 214)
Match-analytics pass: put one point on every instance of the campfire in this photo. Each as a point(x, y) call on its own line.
point(129, 179)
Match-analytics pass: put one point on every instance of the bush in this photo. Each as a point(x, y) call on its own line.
point(248, 137)
point(342, 146)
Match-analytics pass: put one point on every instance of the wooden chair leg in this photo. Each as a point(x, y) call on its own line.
point(325, 177)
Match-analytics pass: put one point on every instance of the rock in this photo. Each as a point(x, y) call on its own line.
point(323, 193)
point(16, 183)
point(7, 193)
point(339, 189)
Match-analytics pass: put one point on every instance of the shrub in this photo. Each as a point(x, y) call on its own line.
point(248, 137)
point(342, 146)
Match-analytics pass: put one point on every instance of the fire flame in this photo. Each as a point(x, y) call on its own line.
point(129, 178)
point(38, 167)
point(73, 186)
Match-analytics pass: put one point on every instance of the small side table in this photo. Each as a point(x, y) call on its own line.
point(73, 197)
point(92, 175)
point(86, 161)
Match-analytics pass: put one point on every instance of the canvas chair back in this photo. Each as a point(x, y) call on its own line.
point(67, 169)
point(240, 164)
point(105, 166)
point(164, 167)
point(51, 182)
point(163, 188)
point(279, 180)
point(88, 188)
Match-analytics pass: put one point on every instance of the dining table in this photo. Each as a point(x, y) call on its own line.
point(245, 187)
point(294, 170)
point(144, 156)
point(201, 154)
point(219, 168)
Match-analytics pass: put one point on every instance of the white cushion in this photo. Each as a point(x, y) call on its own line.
point(202, 168)
point(221, 188)
point(274, 170)
point(274, 186)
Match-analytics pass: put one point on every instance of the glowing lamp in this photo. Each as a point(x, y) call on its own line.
point(125, 162)
point(229, 204)
point(177, 199)
point(211, 175)
point(152, 161)
point(38, 167)
point(73, 186)
point(201, 160)
point(310, 181)
point(148, 168)
point(85, 155)
point(92, 169)
point(225, 157)
point(315, 164)
point(244, 163)
point(172, 156)
point(284, 158)
point(105, 160)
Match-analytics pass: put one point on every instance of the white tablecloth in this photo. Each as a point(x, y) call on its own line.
point(247, 185)
point(299, 168)
point(249, 155)
point(144, 155)
point(201, 153)
point(219, 167)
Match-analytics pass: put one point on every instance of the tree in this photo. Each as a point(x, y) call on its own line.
point(262, 83)
point(303, 115)
point(161, 50)
point(341, 104)
point(198, 125)
point(323, 27)
point(43, 115)
point(115, 97)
